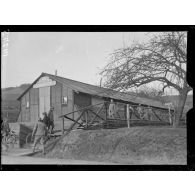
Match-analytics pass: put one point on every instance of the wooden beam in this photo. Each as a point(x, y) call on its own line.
point(156, 115)
point(96, 114)
point(72, 120)
point(76, 121)
point(134, 112)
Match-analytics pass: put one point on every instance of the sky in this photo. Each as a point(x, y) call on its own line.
point(76, 55)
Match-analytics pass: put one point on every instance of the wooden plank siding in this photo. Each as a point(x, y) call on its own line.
point(56, 100)
point(67, 92)
point(25, 112)
point(34, 104)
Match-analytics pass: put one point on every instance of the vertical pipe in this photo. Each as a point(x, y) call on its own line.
point(62, 125)
point(128, 122)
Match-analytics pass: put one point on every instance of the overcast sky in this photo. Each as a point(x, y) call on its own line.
point(76, 55)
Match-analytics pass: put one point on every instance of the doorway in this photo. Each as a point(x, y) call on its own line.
point(44, 100)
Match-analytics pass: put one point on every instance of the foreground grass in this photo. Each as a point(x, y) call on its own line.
point(137, 145)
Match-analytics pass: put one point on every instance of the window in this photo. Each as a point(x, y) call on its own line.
point(27, 104)
point(64, 100)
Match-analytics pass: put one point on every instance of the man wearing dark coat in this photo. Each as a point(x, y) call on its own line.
point(39, 131)
point(51, 119)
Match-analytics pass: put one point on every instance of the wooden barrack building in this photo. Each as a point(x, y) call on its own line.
point(67, 96)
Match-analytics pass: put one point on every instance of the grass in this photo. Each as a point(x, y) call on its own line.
point(137, 145)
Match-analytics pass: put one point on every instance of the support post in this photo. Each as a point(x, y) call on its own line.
point(106, 106)
point(62, 125)
point(128, 122)
point(86, 116)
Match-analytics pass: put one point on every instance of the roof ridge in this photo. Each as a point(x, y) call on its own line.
point(84, 83)
point(102, 90)
point(107, 89)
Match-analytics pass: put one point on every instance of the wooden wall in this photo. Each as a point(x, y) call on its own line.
point(34, 104)
point(67, 92)
point(96, 100)
point(25, 112)
point(56, 100)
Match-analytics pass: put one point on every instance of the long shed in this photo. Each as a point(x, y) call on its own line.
point(66, 96)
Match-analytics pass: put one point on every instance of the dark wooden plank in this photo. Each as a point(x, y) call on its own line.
point(76, 121)
point(72, 120)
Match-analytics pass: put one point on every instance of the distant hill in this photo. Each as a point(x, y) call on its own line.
point(10, 106)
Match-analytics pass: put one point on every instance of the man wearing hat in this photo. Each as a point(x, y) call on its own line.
point(51, 119)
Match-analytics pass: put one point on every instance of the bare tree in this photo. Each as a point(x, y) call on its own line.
point(162, 59)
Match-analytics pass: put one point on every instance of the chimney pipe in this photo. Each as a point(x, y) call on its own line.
point(55, 72)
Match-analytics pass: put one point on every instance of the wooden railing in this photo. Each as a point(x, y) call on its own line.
point(87, 114)
point(96, 116)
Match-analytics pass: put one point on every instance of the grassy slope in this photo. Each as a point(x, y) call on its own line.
point(139, 145)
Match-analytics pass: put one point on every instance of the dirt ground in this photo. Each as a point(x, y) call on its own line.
point(135, 146)
point(25, 160)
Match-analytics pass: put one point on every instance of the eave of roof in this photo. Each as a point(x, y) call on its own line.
point(42, 74)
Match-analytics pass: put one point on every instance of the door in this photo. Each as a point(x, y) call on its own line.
point(44, 100)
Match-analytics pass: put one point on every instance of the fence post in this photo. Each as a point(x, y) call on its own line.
point(128, 122)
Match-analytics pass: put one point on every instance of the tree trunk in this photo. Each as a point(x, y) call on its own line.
point(179, 108)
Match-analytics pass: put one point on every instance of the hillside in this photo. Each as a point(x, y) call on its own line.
point(137, 145)
point(10, 106)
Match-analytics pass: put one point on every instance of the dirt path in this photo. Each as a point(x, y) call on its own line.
point(20, 160)
point(22, 156)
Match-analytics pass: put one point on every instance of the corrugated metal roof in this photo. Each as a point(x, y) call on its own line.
point(103, 92)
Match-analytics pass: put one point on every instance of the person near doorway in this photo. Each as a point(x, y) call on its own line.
point(45, 118)
point(112, 109)
point(39, 132)
point(51, 120)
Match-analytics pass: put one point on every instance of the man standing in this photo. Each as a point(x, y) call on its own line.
point(140, 111)
point(5, 127)
point(39, 132)
point(51, 119)
point(111, 109)
point(150, 113)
